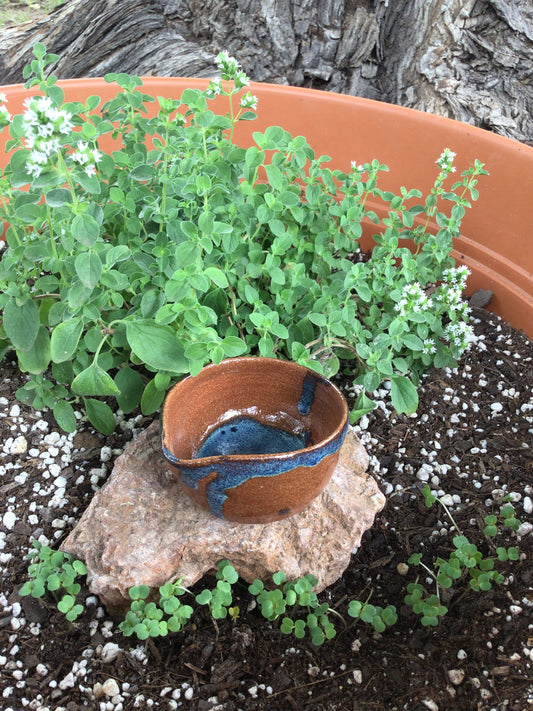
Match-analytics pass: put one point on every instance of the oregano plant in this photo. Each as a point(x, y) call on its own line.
point(144, 242)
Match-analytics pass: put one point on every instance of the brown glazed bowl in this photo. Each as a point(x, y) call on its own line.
point(253, 440)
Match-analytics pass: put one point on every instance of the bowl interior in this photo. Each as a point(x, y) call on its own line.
point(274, 393)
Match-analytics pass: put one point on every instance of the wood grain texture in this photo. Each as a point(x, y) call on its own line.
point(467, 59)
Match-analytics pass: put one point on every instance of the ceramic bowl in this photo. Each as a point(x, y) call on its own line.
point(253, 440)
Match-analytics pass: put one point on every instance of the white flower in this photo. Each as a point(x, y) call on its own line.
point(445, 161)
point(2, 98)
point(38, 157)
point(86, 156)
point(5, 116)
point(241, 79)
point(34, 169)
point(45, 130)
point(249, 101)
point(413, 300)
point(43, 104)
point(429, 346)
point(214, 88)
point(459, 334)
point(226, 64)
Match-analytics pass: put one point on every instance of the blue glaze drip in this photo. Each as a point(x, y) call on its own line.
point(230, 475)
point(308, 394)
point(246, 435)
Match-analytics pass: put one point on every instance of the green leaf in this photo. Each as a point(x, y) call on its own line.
point(275, 176)
point(152, 398)
point(65, 339)
point(186, 253)
point(36, 359)
point(94, 381)
point(362, 406)
point(157, 346)
point(64, 416)
point(57, 197)
point(88, 266)
point(233, 346)
point(85, 229)
point(131, 387)
point(413, 342)
point(100, 416)
point(404, 395)
point(216, 275)
point(21, 323)
point(65, 604)
point(204, 598)
point(142, 172)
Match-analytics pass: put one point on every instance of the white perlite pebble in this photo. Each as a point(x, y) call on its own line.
point(528, 505)
point(68, 682)
point(9, 519)
point(456, 676)
point(110, 652)
point(19, 445)
point(358, 676)
point(110, 688)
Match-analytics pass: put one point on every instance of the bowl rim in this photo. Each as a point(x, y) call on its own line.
point(338, 432)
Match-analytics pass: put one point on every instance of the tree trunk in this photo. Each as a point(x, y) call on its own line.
point(467, 59)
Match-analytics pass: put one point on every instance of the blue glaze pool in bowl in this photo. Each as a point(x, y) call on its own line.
point(253, 440)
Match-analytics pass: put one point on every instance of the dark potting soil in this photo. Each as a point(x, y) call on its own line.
point(471, 442)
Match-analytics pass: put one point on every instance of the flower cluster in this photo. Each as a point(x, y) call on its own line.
point(44, 127)
point(429, 347)
point(248, 101)
point(450, 293)
point(86, 157)
point(413, 300)
point(445, 161)
point(460, 335)
point(357, 169)
point(457, 276)
point(230, 70)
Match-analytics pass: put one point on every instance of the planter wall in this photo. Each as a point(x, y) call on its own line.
point(497, 239)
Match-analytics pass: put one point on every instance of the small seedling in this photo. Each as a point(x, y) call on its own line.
point(54, 571)
point(294, 594)
point(465, 561)
point(374, 615)
point(219, 599)
point(67, 605)
point(146, 619)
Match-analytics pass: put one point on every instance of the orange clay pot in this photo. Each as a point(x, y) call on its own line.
point(497, 239)
point(252, 439)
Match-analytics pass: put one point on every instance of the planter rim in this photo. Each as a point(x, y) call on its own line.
point(297, 91)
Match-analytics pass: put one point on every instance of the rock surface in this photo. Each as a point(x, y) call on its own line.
point(141, 529)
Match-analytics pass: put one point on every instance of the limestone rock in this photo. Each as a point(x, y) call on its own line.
point(141, 529)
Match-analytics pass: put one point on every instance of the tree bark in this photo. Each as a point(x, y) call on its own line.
point(470, 60)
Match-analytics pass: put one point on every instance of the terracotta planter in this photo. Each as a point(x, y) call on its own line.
point(496, 243)
point(253, 440)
